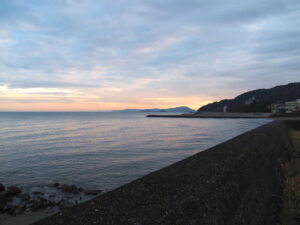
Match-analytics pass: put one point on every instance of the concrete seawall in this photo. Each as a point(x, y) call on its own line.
point(237, 182)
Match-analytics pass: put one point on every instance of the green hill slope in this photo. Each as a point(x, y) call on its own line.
point(262, 99)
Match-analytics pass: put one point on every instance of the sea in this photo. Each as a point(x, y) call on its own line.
point(102, 150)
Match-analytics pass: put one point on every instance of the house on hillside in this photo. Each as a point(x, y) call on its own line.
point(251, 100)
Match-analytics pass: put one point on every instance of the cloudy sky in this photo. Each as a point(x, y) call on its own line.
point(114, 54)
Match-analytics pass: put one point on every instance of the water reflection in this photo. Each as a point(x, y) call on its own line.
point(102, 150)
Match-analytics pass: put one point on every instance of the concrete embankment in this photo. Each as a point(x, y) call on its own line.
point(237, 182)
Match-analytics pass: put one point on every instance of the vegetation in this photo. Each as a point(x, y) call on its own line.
point(290, 214)
point(265, 97)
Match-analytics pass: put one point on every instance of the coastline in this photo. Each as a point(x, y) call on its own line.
point(217, 115)
point(22, 207)
point(222, 183)
point(227, 115)
point(213, 132)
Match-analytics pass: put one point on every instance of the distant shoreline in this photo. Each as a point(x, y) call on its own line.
point(218, 115)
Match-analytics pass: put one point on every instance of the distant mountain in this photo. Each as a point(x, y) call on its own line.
point(257, 100)
point(180, 109)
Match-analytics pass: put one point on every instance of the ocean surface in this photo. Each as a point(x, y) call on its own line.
point(102, 150)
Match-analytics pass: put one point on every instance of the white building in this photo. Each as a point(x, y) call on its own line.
point(251, 100)
point(287, 107)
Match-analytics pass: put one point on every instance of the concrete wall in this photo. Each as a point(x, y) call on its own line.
point(237, 182)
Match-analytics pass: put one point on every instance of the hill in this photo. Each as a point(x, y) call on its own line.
point(257, 100)
point(180, 109)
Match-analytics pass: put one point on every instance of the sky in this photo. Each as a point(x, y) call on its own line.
point(82, 55)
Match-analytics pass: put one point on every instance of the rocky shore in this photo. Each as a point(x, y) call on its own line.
point(237, 182)
point(52, 198)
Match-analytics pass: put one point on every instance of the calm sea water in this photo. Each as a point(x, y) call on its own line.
point(102, 150)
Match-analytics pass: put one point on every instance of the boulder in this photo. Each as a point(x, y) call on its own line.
point(25, 197)
point(92, 192)
point(56, 185)
point(69, 188)
point(10, 209)
point(2, 188)
point(34, 205)
point(13, 190)
point(80, 189)
point(65, 204)
point(21, 208)
point(3, 201)
point(3, 197)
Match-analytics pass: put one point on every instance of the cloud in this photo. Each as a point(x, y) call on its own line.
point(149, 48)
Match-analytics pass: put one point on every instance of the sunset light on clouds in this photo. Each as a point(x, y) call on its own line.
point(67, 55)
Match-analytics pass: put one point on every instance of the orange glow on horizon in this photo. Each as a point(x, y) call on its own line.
point(72, 100)
point(96, 106)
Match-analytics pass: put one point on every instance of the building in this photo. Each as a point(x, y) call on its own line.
point(287, 107)
point(251, 100)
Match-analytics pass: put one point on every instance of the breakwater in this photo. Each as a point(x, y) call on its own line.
point(237, 182)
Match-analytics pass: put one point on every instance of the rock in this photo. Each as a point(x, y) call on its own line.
point(56, 185)
point(65, 204)
point(10, 209)
point(38, 204)
point(2, 188)
point(35, 205)
point(51, 204)
point(13, 190)
point(3, 201)
point(43, 200)
point(25, 197)
point(41, 203)
point(80, 189)
point(15, 201)
point(75, 192)
point(21, 208)
point(3, 197)
point(38, 193)
point(92, 192)
point(69, 188)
